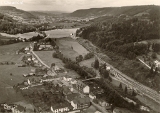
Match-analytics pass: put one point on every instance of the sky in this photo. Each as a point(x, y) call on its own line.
point(72, 5)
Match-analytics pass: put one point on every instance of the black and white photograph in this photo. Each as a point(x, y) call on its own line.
point(79, 56)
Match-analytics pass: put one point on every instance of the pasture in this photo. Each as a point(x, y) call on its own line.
point(8, 53)
point(24, 35)
point(57, 33)
point(71, 48)
point(60, 33)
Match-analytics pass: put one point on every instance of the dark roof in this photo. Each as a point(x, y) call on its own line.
point(72, 96)
point(61, 105)
point(82, 100)
point(66, 90)
point(20, 108)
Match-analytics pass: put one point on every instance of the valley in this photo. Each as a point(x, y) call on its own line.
point(91, 60)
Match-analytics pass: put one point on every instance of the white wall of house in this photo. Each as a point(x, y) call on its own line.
point(74, 105)
point(61, 110)
point(86, 89)
point(92, 96)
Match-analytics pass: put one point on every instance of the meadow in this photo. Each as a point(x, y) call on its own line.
point(71, 48)
point(11, 75)
point(57, 33)
point(60, 33)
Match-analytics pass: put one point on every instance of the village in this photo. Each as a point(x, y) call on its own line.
point(51, 89)
point(54, 89)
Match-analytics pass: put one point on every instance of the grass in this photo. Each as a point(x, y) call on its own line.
point(149, 103)
point(46, 57)
point(66, 45)
point(8, 53)
point(12, 48)
point(7, 81)
point(57, 33)
point(87, 62)
point(24, 35)
point(60, 33)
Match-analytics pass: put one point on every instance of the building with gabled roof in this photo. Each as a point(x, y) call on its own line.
point(61, 107)
point(82, 87)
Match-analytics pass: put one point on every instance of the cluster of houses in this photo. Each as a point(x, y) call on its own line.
point(30, 60)
point(74, 95)
point(13, 108)
point(45, 46)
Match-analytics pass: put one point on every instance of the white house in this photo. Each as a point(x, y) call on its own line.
point(86, 89)
point(157, 63)
point(92, 96)
point(59, 110)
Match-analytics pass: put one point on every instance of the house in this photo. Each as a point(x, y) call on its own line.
point(92, 96)
point(143, 108)
point(67, 79)
point(80, 103)
point(39, 72)
point(157, 63)
point(26, 49)
point(66, 90)
point(82, 87)
point(71, 97)
point(12, 108)
point(61, 107)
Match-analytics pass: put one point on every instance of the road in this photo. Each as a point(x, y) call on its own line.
point(152, 94)
point(40, 60)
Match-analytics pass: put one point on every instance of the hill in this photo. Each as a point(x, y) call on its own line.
point(113, 11)
point(48, 13)
point(16, 13)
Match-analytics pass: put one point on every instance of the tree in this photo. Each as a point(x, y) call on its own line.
point(134, 93)
point(106, 74)
point(79, 58)
point(53, 64)
point(96, 64)
point(126, 90)
point(156, 71)
point(151, 70)
point(120, 86)
point(154, 55)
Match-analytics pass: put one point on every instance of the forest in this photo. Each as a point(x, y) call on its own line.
point(123, 37)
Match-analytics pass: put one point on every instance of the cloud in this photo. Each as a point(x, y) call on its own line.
point(71, 5)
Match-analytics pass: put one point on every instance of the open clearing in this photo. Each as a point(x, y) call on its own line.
point(24, 35)
point(57, 33)
point(66, 45)
point(60, 33)
point(8, 53)
point(87, 62)
point(7, 81)
point(12, 48)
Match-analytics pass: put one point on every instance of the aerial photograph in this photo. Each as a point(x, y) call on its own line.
point(79, 56)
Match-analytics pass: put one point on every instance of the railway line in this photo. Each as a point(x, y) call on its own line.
point(144, 90)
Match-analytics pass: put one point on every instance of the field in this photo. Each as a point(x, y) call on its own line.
point(71, 48)
point(68, 25)
point(24, 35)
point(60, 33)
point(57, 33)
point(5, 38)
point(8, 53)
point(149, 103)
point(46, 57)
point(87, 62)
